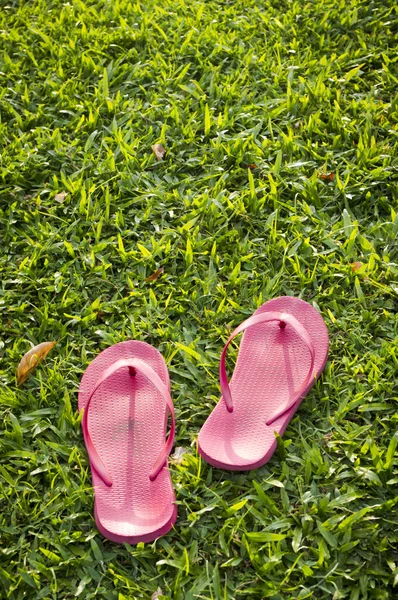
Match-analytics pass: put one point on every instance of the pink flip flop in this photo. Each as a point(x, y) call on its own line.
point(281, 354)
point(125, 395)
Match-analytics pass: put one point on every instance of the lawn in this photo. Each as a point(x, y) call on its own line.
point(280, 123)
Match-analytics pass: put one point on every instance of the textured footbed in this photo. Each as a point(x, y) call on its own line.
point(127, 422)
point(272, 363)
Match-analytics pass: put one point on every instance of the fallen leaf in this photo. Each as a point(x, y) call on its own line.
point(360, 376)
point(326, 438)
point(61, 196)
point(156, 594)
point(159, 151)
point(251, 166)
point(178, 455)
point(31, 359)
point(355, 266)
point(155, 275)
point(326, 176)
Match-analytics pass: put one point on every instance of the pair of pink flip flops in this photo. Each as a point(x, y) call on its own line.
point(125, 395)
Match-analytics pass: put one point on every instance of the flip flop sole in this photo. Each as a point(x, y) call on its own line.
point(132, 540)
point(127, 422)
point(271, 364)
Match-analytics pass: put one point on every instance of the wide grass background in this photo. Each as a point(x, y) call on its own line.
point(253, 100)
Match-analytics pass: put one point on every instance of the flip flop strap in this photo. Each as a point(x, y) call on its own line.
point(133, 364)
point(284, 320)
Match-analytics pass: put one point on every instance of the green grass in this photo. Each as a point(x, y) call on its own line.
point(296, 88)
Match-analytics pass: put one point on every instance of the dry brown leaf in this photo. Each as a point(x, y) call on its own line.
point(326, 438)
point(252, 166)
point(355, 266)
point(31, 359)
point(155, 275)
point(159, 151)
point(360, 376)
point(326, 176)
point(61, 197)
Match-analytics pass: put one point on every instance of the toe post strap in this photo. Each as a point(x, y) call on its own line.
point(134, 365)
point(285, 320)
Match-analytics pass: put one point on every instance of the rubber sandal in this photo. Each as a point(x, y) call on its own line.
point(282, 352)
point(125, 395)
